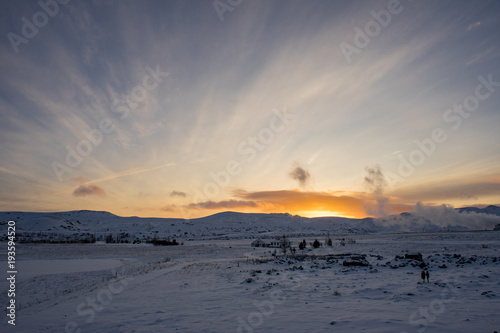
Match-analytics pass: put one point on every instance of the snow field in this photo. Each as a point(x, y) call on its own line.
point(227, 286)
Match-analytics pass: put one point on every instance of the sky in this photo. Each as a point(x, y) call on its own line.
point(189, 108)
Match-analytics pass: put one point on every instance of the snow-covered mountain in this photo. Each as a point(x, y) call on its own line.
point(221, 225)
point(492, 210)
point(229, 225)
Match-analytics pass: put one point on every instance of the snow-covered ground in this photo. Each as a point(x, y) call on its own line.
point(228, 286)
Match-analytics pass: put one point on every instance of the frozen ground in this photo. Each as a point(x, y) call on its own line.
point(227, 286)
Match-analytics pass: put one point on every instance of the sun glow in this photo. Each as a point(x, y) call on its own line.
point(322, 213)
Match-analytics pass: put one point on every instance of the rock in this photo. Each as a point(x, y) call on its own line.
point(416, 256)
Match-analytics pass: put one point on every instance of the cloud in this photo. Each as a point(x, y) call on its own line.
point(178, 194)
point(84, 190)
point(129, 172)
point(446, 215)
point(303, 201)
point(292, 201)
point(473, 25)
point(301, 175)
point(482, 55)
point(454, 189)
point(442, 216)
point(169, 208)
point(225, 204)
point(376, 184)
point(79, 179)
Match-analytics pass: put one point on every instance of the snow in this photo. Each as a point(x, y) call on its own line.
point(224, 285)
point(32, 268)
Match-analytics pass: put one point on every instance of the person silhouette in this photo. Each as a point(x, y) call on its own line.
point(422, 275)
point(427, 275)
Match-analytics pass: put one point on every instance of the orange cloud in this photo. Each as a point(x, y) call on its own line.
point(225, 204)
point(305, 203)
point(169, 208)
point(298, 201)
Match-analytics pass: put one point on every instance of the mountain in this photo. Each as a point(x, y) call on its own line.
point(226, 225)
point(492, 210)
point(222, 225)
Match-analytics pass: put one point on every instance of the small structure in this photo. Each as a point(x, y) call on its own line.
point(259, 243)
point(164, 242)
point(278, 243)
point(275, 244)
point(497, 227)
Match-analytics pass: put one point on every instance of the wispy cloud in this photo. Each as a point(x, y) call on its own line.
point(170, 208)
point(224, 204)
point(473, 25)
point(452, 190)
point(125, 173)
point(79, 179)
